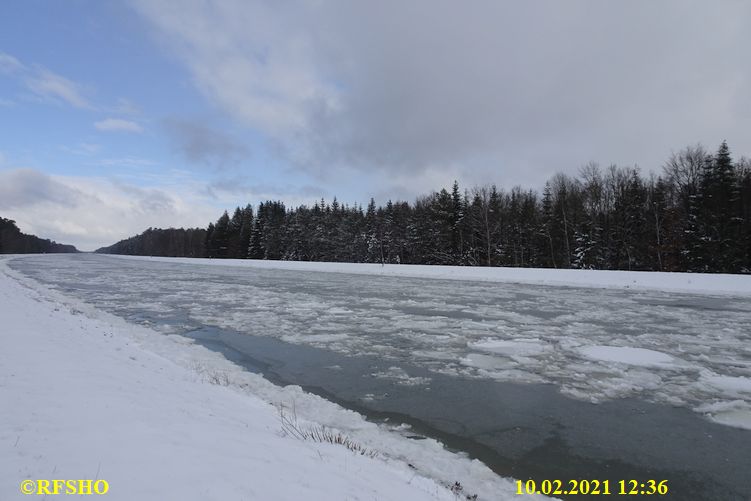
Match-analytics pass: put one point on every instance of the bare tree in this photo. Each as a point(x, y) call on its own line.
point(683, 169)
point(486, 204)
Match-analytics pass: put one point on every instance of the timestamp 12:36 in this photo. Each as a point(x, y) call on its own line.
point(592, 487)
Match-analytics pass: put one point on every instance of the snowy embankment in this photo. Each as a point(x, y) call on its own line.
point(699, 283)
point(86, 395)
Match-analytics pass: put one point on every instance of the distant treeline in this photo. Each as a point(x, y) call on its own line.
point(171, 242)
point(695, 216)
point(12, 241)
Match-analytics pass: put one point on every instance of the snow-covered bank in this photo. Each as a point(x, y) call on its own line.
point(704, 283)
point(86, 395)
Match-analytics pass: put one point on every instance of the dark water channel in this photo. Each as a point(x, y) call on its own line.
point(519, 430)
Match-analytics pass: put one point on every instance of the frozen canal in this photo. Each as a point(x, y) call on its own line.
point(537, 381)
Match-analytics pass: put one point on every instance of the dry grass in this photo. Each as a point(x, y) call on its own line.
point(319, 433)
point(211, 376)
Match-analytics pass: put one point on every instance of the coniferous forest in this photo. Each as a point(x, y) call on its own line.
point(172, 242)
point(12, 241)
point(694, 216)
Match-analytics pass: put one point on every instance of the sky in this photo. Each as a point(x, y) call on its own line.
point(123, 115)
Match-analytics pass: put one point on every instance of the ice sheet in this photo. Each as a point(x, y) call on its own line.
point(593, 344)
point(95, 397)
point(628, 356)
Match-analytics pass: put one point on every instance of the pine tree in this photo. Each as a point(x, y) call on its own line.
point(233, 235)
point(457, 214)
point(256, 244)
point(548, 223)
point(634, 222)
point(220, 236)
point(374, 250)
point(246, 228)
point(714, 217)
point(210, 251)
point(743, 173)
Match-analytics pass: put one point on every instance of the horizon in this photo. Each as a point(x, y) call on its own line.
point(151, 116)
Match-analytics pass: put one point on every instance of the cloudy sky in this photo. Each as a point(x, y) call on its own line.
point(116, 116)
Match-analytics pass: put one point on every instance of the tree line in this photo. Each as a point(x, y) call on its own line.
point(694, 216)
point(172, 242)
point(12, 241)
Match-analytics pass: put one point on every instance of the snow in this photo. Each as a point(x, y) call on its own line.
point(502, 357)
point(626, 355)
point(713, 283)
point(86, 395)
point(736, 413)
point(513, 349)
point(731, 384)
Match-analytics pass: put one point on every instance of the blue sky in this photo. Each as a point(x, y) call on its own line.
point(120, 93)
point(116, 116)
point(99, 49)
point(88, 96)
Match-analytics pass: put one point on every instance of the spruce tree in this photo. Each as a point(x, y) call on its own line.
point(256, 245)
point(220, 236)
point(246, 227)
point(718, 214)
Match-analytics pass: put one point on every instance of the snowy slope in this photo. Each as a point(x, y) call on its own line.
point(705, 283)
point(86, 395)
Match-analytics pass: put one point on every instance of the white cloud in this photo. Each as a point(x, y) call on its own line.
point(200, 144)
point(126, 107)
point(43, 83)
point(118, 124)
point(254, 66)
point(520, 89)
point(126, 162)
point(54, 87)
point(22, 188)
point(93, 212)
point(83, 149)
point(9, 64)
